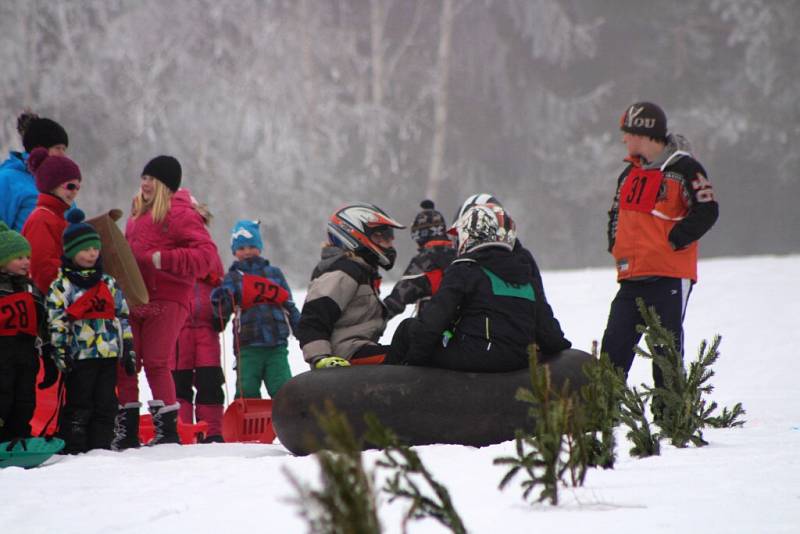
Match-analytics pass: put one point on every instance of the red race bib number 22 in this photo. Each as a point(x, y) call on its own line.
point(259, 290)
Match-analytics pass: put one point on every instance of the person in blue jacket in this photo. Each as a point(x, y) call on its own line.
point(265, 314)
point(18, 191)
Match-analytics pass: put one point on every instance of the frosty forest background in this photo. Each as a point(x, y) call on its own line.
point(284, 110)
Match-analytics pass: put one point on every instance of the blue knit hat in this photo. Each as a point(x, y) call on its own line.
point(246, 234)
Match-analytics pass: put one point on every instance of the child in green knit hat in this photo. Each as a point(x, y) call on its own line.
point(90, 335)
point(22, 327)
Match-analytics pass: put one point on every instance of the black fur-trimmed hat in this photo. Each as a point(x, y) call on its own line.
point(644, 118)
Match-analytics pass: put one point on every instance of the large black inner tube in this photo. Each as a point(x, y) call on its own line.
point(422, 405)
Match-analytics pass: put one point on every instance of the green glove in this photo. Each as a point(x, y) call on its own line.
point(331, 361)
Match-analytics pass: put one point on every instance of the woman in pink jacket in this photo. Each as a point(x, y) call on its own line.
point(172, 248)
point(197, 364)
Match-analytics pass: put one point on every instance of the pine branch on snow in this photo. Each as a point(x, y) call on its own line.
point(408, 469)
point(346, 503)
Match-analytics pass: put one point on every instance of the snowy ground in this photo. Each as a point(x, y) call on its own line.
point(745, 481)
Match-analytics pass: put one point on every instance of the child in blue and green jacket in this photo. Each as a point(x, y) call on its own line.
point(268, 314)
point(90, 335)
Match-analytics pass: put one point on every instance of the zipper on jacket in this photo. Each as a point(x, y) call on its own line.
point(489, 341)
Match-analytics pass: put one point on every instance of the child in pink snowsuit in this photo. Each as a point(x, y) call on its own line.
point(197, 363)
point(172, 248)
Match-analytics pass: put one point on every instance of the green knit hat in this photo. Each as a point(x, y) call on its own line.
point(12, 245)
point(79, 235)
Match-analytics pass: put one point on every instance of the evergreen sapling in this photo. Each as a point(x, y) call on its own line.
point(408, 471)
point(346, 503)
point(539, 454)
point(679, 405)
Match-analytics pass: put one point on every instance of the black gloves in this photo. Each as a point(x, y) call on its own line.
point(50, 369)
point(128, 357)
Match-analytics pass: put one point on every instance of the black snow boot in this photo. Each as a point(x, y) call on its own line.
point(74, 430)
point(126, 427)
point(165, 422)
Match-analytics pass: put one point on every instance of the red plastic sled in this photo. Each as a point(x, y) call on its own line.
point(188, 433)
point(46, 406)
point(248, 420)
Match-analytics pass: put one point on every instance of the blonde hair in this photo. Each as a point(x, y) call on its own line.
point(158, 205)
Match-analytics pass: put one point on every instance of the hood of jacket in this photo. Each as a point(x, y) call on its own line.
point(331, 256)
point(677, 147)
point(504, 263)
point(16, 161)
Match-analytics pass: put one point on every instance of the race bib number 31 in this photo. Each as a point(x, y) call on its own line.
point(640, 190)
point(17, 315)
point(259, 290)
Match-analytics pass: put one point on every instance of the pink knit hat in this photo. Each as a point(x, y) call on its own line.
point(51, 171)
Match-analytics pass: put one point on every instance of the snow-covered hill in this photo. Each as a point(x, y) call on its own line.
point(745, 481)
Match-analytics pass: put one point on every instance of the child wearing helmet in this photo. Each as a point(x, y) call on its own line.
point(549, 337)
point(483, 317)
point(424, 273)
point(343, 316)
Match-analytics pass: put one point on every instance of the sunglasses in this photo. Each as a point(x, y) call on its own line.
point(72, 187)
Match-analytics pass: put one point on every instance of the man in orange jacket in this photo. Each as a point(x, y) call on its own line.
point(664, 204)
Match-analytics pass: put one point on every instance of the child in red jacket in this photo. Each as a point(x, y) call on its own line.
point(197, 361)
point(58, 180)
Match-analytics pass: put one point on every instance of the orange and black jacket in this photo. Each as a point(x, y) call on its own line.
point(660, 211)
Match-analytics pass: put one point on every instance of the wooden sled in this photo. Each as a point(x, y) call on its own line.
point(422, 405)
point(118, 260)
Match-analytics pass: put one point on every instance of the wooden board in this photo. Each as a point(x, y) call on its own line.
point(422, 405)
point(118, 260)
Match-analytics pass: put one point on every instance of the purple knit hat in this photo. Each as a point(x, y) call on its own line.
point(51, 171)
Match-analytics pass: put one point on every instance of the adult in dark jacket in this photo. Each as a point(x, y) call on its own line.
point(483, 318)
point(423, 276)
point(549, 336)
point(18, 193)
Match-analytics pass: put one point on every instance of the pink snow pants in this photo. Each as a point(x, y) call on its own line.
point(198, 365)
point(155, 326)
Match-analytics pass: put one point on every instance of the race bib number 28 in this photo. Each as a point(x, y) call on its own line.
point(96, 303)
point(17, 315)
